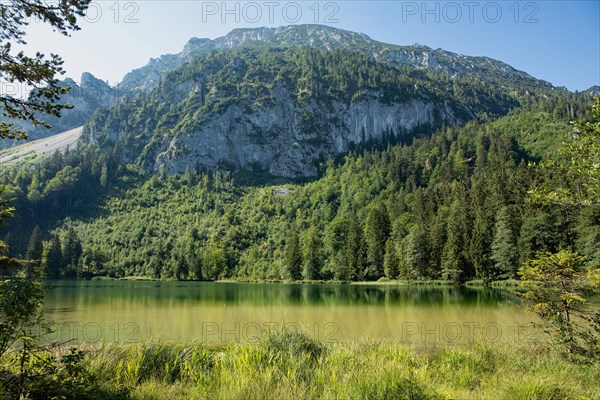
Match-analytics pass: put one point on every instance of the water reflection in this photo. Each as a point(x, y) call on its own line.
point(144, 293)
point(212, 311)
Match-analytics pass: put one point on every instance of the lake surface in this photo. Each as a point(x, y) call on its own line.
point(219, 312)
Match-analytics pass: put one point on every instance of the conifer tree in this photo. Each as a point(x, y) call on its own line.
point(479, 248)
point(390, 263)
point(356, 250)
point(377, 231)
point(538, 234)
point(34, 248)
point(312, 255)
point(505, 256)
point(54, 258)
point(454, 262)
point(437, 237)
point(293, 256)
point(415, 253)
point(72, 252)
point(336, 234)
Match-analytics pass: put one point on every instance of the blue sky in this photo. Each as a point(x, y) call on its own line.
point(558, 41)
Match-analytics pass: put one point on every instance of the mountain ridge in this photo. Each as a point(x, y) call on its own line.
point(92, 94)
point(325, 37)
point(86, 97)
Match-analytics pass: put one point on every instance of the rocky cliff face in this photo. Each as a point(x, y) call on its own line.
point(278, 110)
point(290, 141)
point(282, 100)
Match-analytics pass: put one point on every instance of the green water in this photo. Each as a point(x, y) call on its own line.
point(130, 311)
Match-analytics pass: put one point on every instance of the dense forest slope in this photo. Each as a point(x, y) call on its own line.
point(451, 206)
point(306, 153)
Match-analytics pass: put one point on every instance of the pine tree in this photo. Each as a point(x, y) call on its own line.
point(538, 234)
point(437, 239)
point(336, 233)
point(377, 232)
point(193, 255)
point(454, 263)
point(479, 248)
point(504, 246)
point(54, 259)
point(72, 252)
point(356, 250)
point(34, 249)
point(415, 253)
point(390, 263)
point(481, 229)
point(293, 256)
point(312, 255)
point(480, 154)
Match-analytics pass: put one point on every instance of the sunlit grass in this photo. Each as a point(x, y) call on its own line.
point(292, 365)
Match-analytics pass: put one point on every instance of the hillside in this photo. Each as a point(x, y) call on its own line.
point(282, 111)
point(270, 159)
point(433, 208)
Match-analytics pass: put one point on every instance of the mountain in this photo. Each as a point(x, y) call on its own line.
point(421, 162)
point(329, 38)
point(282, 110)
point(86, 97)
point(593, 91)
point(252, 101)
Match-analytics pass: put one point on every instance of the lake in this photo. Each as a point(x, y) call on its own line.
point(221, 312)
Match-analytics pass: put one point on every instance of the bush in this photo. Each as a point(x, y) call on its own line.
point(44, 375)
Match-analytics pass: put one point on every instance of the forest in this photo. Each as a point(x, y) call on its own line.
point(454, 206)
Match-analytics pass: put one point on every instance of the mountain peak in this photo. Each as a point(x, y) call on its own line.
point(87, 79)
point(197, 45)
point(594, 90)
point(330, 38)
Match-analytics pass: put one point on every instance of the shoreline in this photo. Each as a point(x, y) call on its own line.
point(504, 284)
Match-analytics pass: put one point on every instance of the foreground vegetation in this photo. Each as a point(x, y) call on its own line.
point(291, 365)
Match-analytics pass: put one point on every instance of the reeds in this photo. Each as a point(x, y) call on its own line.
point(292, 365)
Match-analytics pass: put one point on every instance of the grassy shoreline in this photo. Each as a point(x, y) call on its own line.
point(291, 365)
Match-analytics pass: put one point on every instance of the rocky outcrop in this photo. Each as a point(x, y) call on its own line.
point(593, 91)
point(86, 97)
point(290, 141)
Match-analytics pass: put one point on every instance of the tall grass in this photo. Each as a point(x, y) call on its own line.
point(291, 365)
